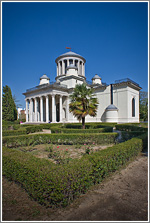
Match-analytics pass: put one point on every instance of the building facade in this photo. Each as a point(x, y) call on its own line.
point(49, 102)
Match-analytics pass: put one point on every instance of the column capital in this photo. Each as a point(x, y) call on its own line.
point(53, 94)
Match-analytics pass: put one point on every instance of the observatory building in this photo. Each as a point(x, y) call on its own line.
point(49, 102)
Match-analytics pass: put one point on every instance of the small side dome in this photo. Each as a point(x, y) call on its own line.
point(44, 79)
point(96, 79)
point(112, 107)
point(111, 113)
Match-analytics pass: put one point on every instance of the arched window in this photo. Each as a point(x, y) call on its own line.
point(133, 107)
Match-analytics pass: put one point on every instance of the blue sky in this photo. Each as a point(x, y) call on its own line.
point(112, 37)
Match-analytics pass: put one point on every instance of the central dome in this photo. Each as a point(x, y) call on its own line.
point(69, 61)
point(70, 54)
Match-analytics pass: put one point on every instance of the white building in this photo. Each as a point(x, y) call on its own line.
point(49, 102)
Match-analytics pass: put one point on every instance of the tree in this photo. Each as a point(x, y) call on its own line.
point(83, 103)
point(143, 105)
point(9, 111)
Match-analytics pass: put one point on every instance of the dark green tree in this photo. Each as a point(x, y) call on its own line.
point(9, 111)
point(83, 103)
point(143, 105)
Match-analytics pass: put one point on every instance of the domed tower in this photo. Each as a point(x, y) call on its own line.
point(70, 63)
point(97, 80)
point(44, 80)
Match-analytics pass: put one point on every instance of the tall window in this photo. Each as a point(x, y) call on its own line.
point(133, 107)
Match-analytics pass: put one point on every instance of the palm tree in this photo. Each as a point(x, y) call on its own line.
point(83, 102)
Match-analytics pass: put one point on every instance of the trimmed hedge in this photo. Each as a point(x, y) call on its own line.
point(66, 139)
point(57, 185)
point(88, 125)
point(14, 132)
point(126, 135)
point(128, 127)
point(70, 131)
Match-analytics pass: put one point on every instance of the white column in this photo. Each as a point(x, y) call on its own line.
point(67, 108)
point(27, 110)
point(60, 108)
point(83, 69)
point(53, 109)
point(57, 69)
point(67, 62)
point(74, 62)
point(41, 108)
point(35, 113)
point(47, 108)
point(30, 110)
point(78, 66)
point(63, 67)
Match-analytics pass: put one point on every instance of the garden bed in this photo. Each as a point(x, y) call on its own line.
point(61, 154)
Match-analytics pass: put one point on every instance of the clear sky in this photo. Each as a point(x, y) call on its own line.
point(112, 37)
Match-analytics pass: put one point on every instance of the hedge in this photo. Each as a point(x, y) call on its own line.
point(57, 185)
point(70, 131)
point(66, 139)
point(88, 125)
point(126, 135)
point(128, 127)
point(14, 132)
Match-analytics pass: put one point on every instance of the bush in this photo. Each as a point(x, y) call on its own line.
point(57, 185)
point(70, 131)
point(88, 125)
point(128, 135)
point(66, 139)
point(127, 127)
point(14, 132)
point(34, 128)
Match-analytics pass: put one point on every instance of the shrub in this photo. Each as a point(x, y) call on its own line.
point(34, 128)
point(14, 132)
point(57, 185)
point(68, 130)
point(129, 127)
point(88, 125)
point(128, 135)
point(66, 139)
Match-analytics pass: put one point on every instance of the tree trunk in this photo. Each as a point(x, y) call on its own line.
point(83, 123)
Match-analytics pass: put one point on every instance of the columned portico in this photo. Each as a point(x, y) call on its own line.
point(47, 108)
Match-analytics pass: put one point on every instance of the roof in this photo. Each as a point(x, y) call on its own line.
point(70, 54)
point(96, 77)
point(44, 77)
point(111, 107)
